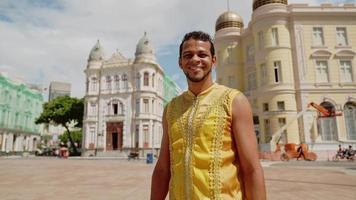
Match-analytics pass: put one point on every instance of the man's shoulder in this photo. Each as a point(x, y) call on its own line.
point(176, 98)
point(232, 92)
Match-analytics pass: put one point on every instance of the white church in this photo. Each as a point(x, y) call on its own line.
point(123, 102)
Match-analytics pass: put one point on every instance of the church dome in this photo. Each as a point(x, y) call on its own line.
point(144, 51)
point(144, 46)
point(259, 3)
point(227, 20)
point(96, 53)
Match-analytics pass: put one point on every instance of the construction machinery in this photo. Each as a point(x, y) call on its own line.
point(290, 150)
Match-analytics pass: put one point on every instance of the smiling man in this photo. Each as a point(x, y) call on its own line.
point(209, 149)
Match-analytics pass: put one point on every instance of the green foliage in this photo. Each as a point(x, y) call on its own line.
point(62, 111)
point(76, 135)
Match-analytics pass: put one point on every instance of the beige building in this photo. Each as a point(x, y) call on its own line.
point(287, 57)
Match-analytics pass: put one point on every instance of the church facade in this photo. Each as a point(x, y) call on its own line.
point(124, 101)
point(287, 57)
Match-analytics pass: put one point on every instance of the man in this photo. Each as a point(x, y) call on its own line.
point(209, 148)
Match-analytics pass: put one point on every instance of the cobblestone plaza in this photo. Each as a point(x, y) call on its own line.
point(109, 179)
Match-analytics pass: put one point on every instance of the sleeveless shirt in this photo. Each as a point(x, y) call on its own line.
point(202, 150)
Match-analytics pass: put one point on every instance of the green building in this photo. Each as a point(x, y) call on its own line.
point(170, 89)
point(20, 105)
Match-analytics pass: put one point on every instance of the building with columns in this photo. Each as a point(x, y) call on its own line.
point(20, 105)
point(124, 101)
point(287, 57)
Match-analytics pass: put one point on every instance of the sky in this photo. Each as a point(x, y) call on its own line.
point(50, 40)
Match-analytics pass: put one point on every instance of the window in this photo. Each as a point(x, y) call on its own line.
point(283, 137)
point(260, 40)
point(145, 105)
point(277, 71)
point(145, 78)
point(93, 84)
point(275, 41)
point(318, 36)
point(341, 37)
point(250, 54)
point(350, 120)
point(108, 82)
point(137, 106)
point(153, 80)
point(268, 134)
point(124, 79)
point(345, 71)
point(280, 105)
point(117, 82)
point(115, 108)
point(92, 108)
point(263, 73)
point(251, 81)
point(146, 136)
point(265, 107)
point(322, 71)
point(231, 55)
point(153, 106)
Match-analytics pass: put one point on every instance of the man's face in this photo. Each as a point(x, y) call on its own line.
point(196, 60)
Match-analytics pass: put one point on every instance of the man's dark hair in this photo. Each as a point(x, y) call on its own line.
point(197, 35)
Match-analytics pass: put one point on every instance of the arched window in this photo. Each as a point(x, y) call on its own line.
point(327, 125)
point(350, 120)
point(93, 84)
point(124, 79)
point(117, 82)
point(108, 82)
point(145, 79)
point(153, 80)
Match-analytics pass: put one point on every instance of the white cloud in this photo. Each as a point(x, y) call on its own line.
point(46, 40)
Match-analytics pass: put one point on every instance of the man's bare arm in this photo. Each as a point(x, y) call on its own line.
point(246, 143)
point(161, 173)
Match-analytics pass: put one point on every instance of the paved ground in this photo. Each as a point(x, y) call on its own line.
point(59, 179)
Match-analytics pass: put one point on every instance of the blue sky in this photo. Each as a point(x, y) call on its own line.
point(50, 40)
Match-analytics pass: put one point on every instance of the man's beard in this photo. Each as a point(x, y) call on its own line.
point(196, 80)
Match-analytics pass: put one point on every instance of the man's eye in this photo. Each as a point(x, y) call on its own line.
point(203, 55)
point(187, 56)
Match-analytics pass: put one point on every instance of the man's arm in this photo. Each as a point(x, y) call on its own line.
point(162, 174)
point(246, 143)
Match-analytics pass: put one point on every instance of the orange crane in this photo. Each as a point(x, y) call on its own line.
point(325, 112)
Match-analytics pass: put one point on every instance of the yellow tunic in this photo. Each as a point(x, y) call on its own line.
point(202, 151)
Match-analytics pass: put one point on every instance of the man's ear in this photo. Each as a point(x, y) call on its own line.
point(180, 63)
point(213, 60)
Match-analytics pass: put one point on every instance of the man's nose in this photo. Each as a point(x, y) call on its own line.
point(195, 58)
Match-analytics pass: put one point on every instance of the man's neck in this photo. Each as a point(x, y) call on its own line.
point(197, 87)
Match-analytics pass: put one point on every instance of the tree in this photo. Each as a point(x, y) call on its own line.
point(64, 111)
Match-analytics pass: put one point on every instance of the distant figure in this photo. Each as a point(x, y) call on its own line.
point(349, 153)
point(63, 150)
point(301, 150)
point(340, 152)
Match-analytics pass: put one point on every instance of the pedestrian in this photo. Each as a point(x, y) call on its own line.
point(209, 148)
point(301, 150)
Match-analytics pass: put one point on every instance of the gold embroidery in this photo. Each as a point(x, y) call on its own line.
point(187, 119)
point(217, 143)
